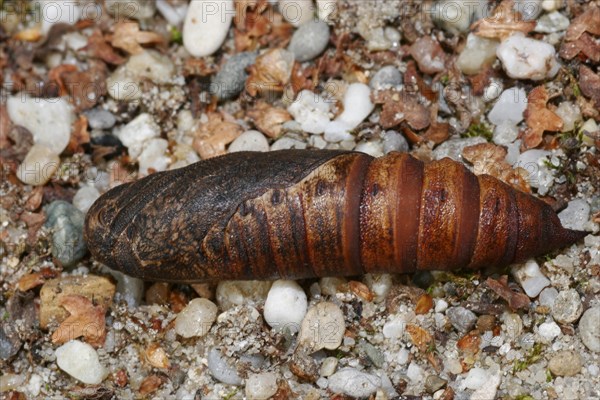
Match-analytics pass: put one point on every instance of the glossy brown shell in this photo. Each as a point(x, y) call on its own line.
point(300, 213)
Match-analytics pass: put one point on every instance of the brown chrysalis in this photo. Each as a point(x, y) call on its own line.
point(300, 213)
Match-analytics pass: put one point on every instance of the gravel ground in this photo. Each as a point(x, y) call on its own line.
point(95, 94)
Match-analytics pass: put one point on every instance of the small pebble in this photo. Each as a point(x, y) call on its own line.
point(221, 368)
point(323, 327)
point(453, 148)
point(429, 55)
point(552, 22)
point(309, 40)
point(261, 386)
point(433, 383)
point(589, 328)
point(330, 285)
point(415, 373)
point(461, 318)
point(394, 141)
point(374, 149)
point(85, 197)
point(357, 105)
point(548, 296)
point(570, 113)
point(394, 328)
point(81, 361)
point(525, 58)
point(489, 389)
point(373, 353)
point(379, 284)
point(337, 131)
point(129, 289)
point(530, 277)
point(505, 133)
point(529, 9)
point(125, 82)
point(441, 305)
point(565, 363)
point(567, 307)
point(387, 77)
point(509, 107)
point(196, 318)
point(174, 13)
point(285, 306)
point(39, 165)
point(136, 9)
point(311, 111)
point(134, 135)
point(576, 215)
point(66, 223)
point(352, 382)
point(249, 141)
point(100, 119)
point(325, 9)
point(328, 367)
point(231, 78)
point(153, 156)
point(476, 378)
point(287, 142)
point(477, 53)
point(455, 16)
point(532, 161)
point(56, 12)
point(548, 331)
point(206, 26)
point(236, 293)
point(297, 12)
point(48, 120)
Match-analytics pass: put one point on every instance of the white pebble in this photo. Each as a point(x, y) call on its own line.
point(532, 161)
point(48, 120)
point(249, 141)
point(285, 306)
point(548, 331)
point(505, 133)
point(570, 113)
point(456, 16)
point(221, 368)
point(323, 327)
point(196, 318)
point(509, 108)
point(529, 9)
point(206, 26)
point(552, 22)
point(357, 105)
point(525, 58)
point(589, 329)
point(530, 277)
point(125, 82)
point(80, 360)
point(352, 382)
point(374, 149)
point(236, 293)
point(173, 13)
point(85, 197)
point(330, 285)
point(552, 5)
point(576, 215)
point(39, 165)
point(135, 133)
point(337, 131)
point(441, 305)
point(297, 12)
point(415, 373)
point(261, 386)
point(328, 367)
point(154, 156)
point(379, 284)
point(478, 52)
point(56, 11)
point(394, 141)
point(476, 378)
point(548, 296)
point(394, 328)
point(487, 391)
point(311, 111)
point(325, 9)
point(287, 142)
point(403, 356)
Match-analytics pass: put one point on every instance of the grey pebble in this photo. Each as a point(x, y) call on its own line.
point(231, 78)
point(453, 148)
point(589, 328)
point(372, 352)
point(309, 40)
point(66, 223)
point(394, 141)
point(433, 383)
point(100, 119)
point(567, 307)
point(461, 318)
point(387, 77)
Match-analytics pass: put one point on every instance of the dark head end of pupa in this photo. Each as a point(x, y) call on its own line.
point(540, 229)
